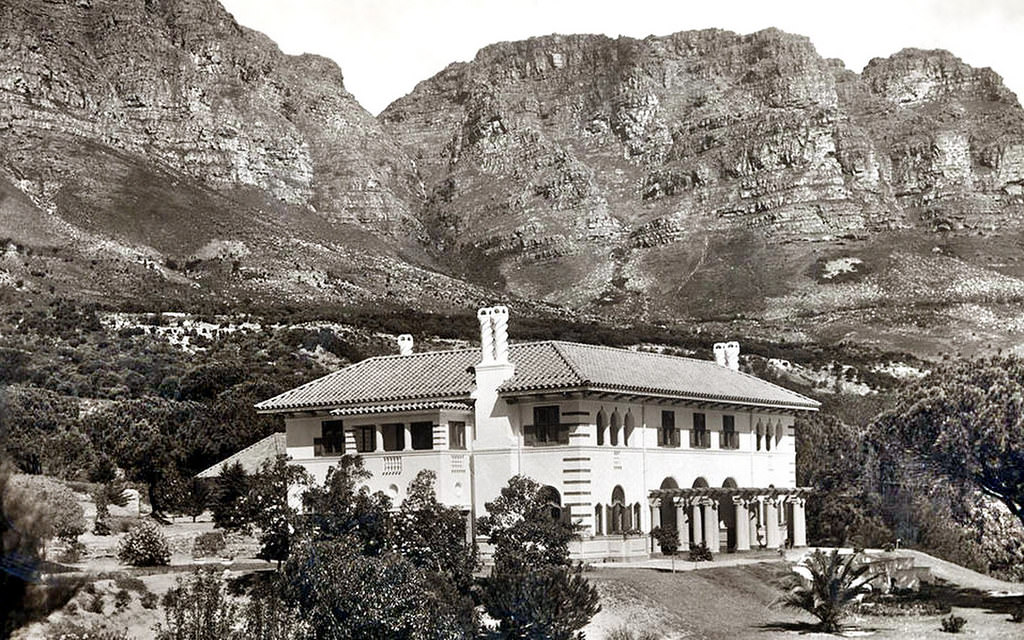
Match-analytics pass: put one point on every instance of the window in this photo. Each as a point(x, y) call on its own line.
point(616, 425)
point(332, 439)
point(545, 429)
point(730, 439)
point(602, 424)
point(760, 434)
point(699, 436)
point(456, 435)
point(394, 436)
point(422, 435)
point(366, 438)
point(668, 435)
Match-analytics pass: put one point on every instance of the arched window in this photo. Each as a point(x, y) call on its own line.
point(598, 517)
point(630, 424)
point(602, 424)
point(778, 431)
point(636, 516)
point(730, 483)
point(768, 436)
point(700, 483)
point(553, 499)
point(616, 425)
point(760, 434)
point(617, 523)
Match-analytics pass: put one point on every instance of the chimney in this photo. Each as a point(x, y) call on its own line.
point(486, 336)
point(732, 355)
point(720, 354)
point(405, 344)
point(499, 324)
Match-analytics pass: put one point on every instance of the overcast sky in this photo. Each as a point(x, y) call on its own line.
point(384, 47)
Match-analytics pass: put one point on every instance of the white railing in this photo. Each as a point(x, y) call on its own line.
point(459, 463)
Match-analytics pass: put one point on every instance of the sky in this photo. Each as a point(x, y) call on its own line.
point(385, 47)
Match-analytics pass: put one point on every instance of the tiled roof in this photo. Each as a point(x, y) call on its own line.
point(373, 409)
point(539, 366)
point(251, 457)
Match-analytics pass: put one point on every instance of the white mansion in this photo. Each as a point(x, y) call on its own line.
point(625, 440)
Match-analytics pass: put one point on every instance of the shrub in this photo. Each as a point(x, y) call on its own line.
point(144, 546)
point(700, 553)
point(122, 598)
point(148, 600)
point(66, 517)
point(209, 544)
point(131, 583)
point(625, 633)
point(833, 587)
point(71, 553)
point(668, 539)
point(198, 608)
point(953, 624)
point(94, 604)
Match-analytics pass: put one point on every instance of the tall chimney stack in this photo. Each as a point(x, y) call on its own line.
point(732, 355)
point(720, 354)
point(486, 335)
point(405, 345)
point(499, 323)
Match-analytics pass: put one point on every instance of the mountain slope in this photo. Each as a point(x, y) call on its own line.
point(156, 134)
point(704, 173)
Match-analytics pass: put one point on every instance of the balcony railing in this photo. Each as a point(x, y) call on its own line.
point(730, 440)
point(459, 463)
point(392, 466)
point(549, 435)
point(700, 440)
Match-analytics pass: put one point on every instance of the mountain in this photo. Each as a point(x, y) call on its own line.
point(155, 152)
point(709, 175)
point(156, 147)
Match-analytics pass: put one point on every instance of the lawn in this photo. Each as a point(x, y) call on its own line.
point(732, 603)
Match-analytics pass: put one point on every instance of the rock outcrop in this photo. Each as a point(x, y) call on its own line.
point(621, 173)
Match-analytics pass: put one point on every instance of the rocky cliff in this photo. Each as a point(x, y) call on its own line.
point(681, 175)
point(147, 135)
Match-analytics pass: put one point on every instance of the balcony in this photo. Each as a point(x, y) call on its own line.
point(546, 435)
point(700, 440)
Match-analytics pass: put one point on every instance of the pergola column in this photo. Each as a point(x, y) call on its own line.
point(711, 525)
point(698, 524)
point(799, 523)
point(754, 519)
point(683, 524)
point(771, 524)
point(407, 427)
point(655, 519)
point(742, 524)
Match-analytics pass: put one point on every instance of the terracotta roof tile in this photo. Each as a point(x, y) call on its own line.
point(441, 375)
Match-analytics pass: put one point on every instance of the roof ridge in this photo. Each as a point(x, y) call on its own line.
point(556, 344)
point(636, 351)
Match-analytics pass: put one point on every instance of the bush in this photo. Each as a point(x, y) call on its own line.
point(700, 553)
point(94, 604)
point(66, 517)
point(953, 624)
point(144, 546)
point(833, 587)
point(210, 544)
point(625, 633)
point(71, 553)
point(198, 608)
point(148, 600)
point(668, 539)
point(122, 598)
point(131, 583)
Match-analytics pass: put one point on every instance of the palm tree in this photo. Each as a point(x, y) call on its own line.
point(833, 586)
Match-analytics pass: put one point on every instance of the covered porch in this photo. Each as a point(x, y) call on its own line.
point(729, 519)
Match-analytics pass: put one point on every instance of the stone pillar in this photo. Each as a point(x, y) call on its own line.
point(407, 427)
point(742, 524)
point(799, 523)
point(711, 526)
point(655, 516)
point(753, 519)
point(771, 523)
point(378, 436)
point(683, 524)
point(698, 525)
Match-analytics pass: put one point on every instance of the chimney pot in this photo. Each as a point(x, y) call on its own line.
point(405, 344)
point(732, 355)
point(499, 323)
point(486, 335)
point(720, 354)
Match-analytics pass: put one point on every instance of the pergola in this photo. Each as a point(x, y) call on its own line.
point(755, 519)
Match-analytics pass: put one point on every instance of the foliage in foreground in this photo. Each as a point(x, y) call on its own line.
point(834, 585)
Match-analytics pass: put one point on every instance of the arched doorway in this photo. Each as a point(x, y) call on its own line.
point(553, 499)
point(668, 509)
point(618, 522)
point(727, 513)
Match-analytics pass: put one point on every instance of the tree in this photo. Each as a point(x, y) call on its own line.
point(268, 507)
point(199, 608)
point(196, 498)
point(22, 535)
point(229, 511)
point(967, 421)
point(534, 591)
point(344, 507)
point(833, 585)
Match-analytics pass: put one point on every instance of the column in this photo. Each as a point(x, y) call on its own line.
point(799, 523)
point(378, 436)
point(698, 525)
point(683, 524)
point(771, 523)
point(408, 436)
point(711, 526)
point(742, 524)
point(754, 518)
point(655, 521)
